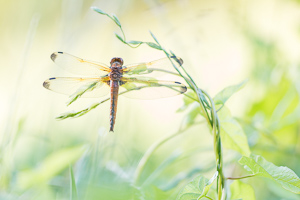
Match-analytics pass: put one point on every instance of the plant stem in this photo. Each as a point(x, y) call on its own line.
point(215, 125)
point(208, 197)
point(217, 147)
point(241, 177)
point(192, 85)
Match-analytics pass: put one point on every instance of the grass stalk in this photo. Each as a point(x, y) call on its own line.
point(211, 119)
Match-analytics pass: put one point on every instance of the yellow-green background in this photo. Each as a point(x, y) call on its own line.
point(221, 42)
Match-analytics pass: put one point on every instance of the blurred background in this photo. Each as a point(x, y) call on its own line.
point(221, 42)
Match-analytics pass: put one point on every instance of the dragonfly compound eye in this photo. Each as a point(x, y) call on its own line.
point(116, 59)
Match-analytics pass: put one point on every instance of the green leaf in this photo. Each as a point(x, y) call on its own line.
point(81, 112)
point(187, 100)
point(86, 110)
point(50, 167)
point(117, 21)
point(232, 134)
point(83, 89)
point(197, 188)
point(227, 92)
point(98, 10)
point(134, 42)
point(208, 185)
point(154, 37)
point(240, 190)
point(191, 115)
point(120, 38)
point(286, 177)
point(153, 45)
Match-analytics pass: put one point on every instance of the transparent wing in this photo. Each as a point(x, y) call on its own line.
point(79, 66)
point(150, 88)
point(89, 87)
point(149, 67)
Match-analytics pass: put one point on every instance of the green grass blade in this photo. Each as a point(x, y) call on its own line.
point(73, 188)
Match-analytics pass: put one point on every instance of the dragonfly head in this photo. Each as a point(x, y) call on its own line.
point(116, 60)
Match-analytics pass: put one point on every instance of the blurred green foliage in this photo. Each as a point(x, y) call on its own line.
point(222, 43)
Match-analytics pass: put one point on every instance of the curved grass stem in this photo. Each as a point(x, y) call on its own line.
point(217, 147)
point(150, 151)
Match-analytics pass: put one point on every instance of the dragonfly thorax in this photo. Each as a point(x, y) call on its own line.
point(115, 74)
point(116, 68)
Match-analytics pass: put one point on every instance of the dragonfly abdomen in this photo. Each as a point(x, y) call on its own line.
point(114, 90)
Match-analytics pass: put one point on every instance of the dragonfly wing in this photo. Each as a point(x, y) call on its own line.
point(150, 67)
point(150, 88)
point(89, 87)
point(79, 66)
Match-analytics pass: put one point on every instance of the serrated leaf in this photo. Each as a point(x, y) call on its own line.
point(240, 190)
point(193, 189)
point(52, 165)
point(120, 38)
point(208, 185)
point(227, 92)
point(197, 188)
point(153, 45)
point(232, 134)
point(286, 177)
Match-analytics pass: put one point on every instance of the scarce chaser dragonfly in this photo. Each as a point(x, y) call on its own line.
point(115, 78)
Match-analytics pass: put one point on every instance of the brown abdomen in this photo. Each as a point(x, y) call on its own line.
point(114, 91)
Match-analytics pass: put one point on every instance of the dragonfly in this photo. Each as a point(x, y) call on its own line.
point(116, 79)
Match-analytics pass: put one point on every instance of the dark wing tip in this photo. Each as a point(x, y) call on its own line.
point(53, 56)
point(46, 84)
point(183, 89)
point(178, 60)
